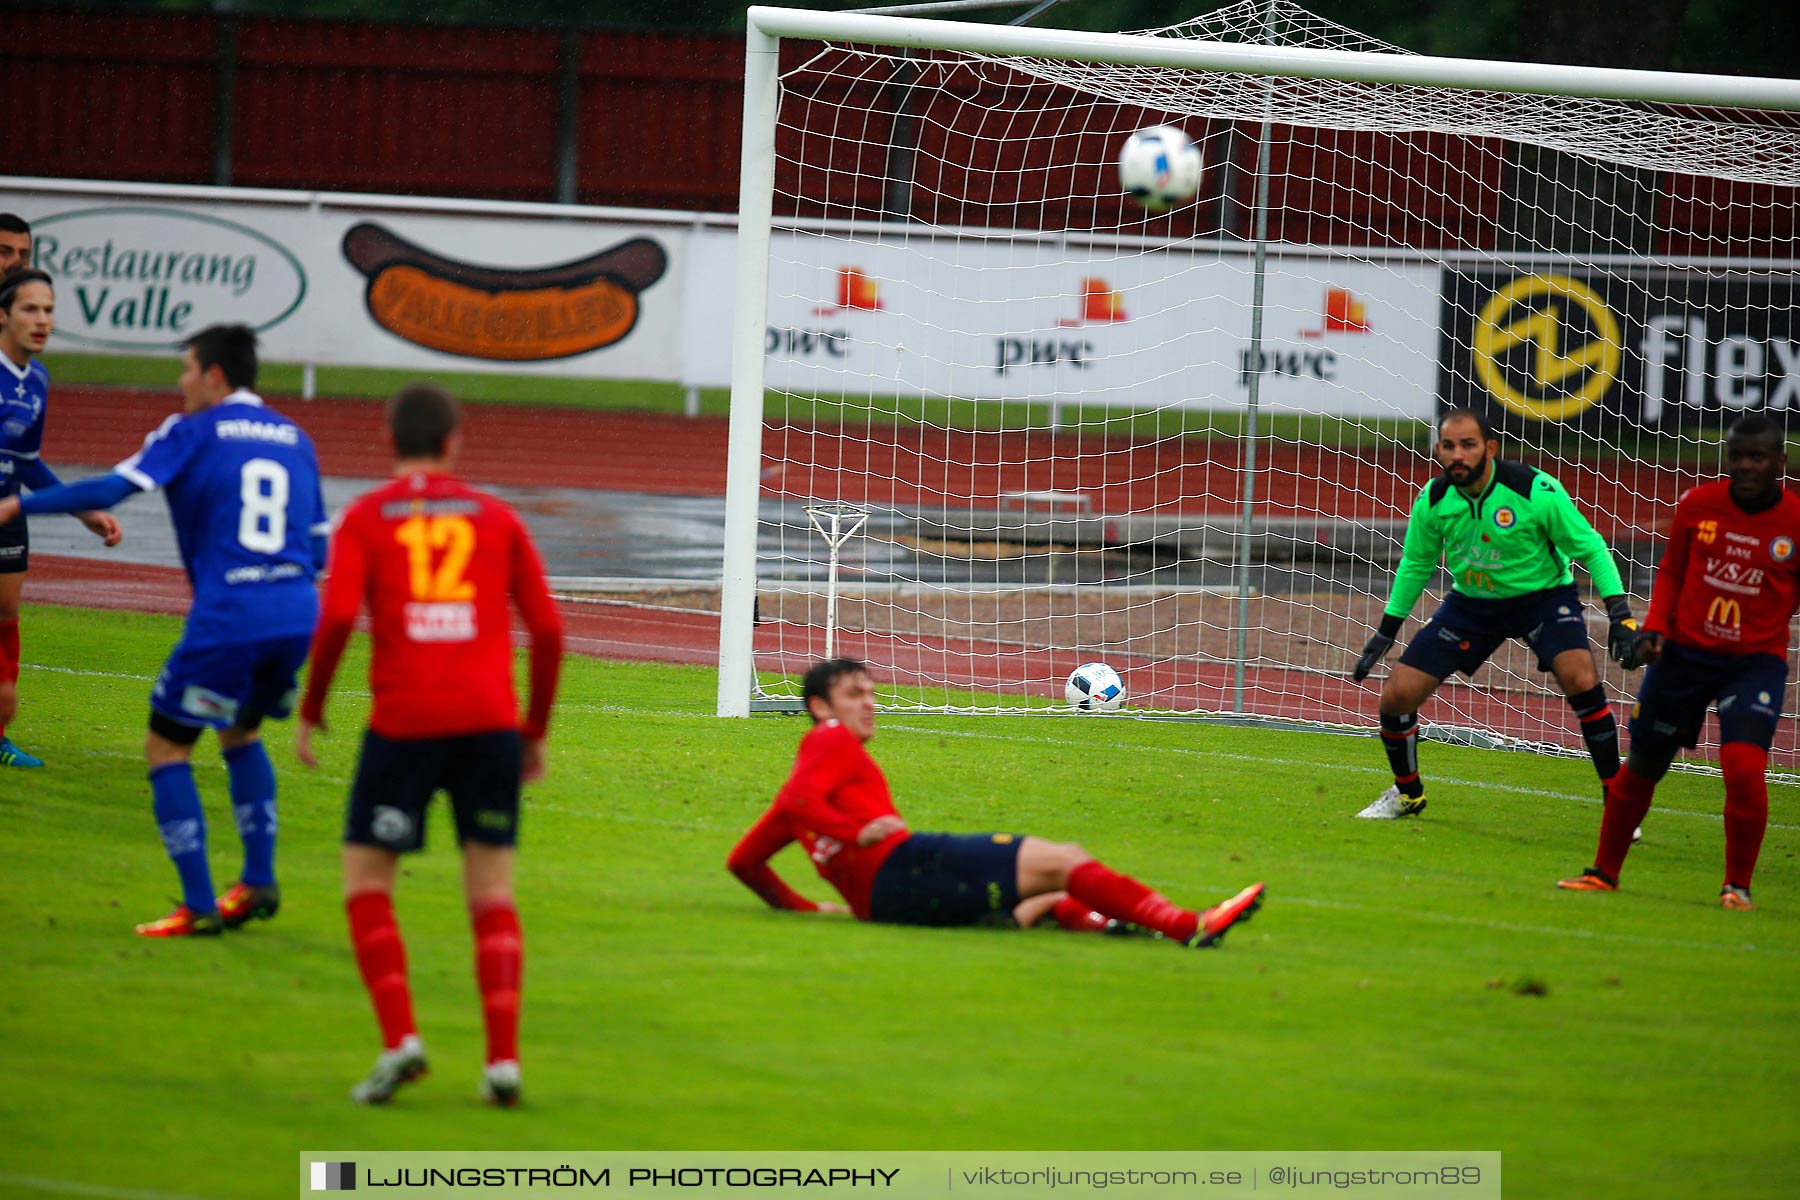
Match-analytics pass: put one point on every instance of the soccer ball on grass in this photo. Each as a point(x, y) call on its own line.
point(1095, 687)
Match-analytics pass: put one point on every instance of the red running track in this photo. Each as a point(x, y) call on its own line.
point(923, 467)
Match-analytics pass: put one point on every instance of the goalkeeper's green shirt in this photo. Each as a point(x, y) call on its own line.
point(1518, 536)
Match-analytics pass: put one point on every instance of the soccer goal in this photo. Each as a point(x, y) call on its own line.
point(1184, 443)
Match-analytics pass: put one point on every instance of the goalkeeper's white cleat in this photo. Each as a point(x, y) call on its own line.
point(1391, 805)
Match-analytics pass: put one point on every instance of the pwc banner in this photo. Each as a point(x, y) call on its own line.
point(1662, 348)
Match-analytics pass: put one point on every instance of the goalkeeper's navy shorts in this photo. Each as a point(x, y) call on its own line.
point(15, 546)
point(396, 779)
point(947, 879)
point(1679, 686)
point(1465, 630)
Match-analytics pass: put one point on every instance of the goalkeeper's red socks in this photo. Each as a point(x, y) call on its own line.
point(1125, 899)
point(1077, 917)
point(381, 956)
point(499, 969)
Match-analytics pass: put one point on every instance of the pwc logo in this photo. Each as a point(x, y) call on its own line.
point(1343, 313)
point(1547, 347)
point(856, 292)
point(1100, 305)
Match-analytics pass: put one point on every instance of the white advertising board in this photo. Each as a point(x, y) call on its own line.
point(378, 286)
point(999, 319)
point(612, 294)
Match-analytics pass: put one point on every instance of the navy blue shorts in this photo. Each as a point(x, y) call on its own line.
point(396, 779)
point(1678, 687)
point(948, 879)
point(1464, 630)
point(224, 686)
point(15, 546)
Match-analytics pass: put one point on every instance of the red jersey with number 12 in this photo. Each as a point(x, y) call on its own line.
point(439, 564)
point(1729, 582)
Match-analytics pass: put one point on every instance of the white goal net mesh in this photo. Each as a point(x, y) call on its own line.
point(1040, 394)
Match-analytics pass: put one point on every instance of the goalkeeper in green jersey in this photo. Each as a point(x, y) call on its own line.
point(1507, 534)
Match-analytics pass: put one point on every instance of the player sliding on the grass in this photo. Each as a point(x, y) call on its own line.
point(440, 566)
point(1717, 632)
point(242, 483)
point(836, 805)
point(1507, 534)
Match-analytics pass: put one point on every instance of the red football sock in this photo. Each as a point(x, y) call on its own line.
point(382, 957)
point(1746, 808)
point(1125, 899)
point(9, 656)
point(1627, 800)
point(1077, 917)
point(499, 965)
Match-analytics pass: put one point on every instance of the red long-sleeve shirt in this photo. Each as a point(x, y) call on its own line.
point(834, 790)
point(438, 564)
point(1729, 581)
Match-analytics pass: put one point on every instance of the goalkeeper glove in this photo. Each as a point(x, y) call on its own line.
point(1622, 638)
point(1376, 648)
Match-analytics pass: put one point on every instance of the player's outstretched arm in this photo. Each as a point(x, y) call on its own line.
point(100, 492)
point(749, 861)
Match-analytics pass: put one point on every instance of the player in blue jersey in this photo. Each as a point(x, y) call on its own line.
point(242, 482)
point(27, 317)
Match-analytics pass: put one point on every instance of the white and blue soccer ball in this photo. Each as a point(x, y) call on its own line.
point(1159, 167)
point(1095, 687)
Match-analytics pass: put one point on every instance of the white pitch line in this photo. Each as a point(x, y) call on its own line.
point(69, 1187)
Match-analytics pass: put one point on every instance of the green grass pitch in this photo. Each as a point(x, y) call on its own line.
point(1409, 986)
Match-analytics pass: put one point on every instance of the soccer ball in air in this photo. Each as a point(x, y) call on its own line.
point(1095, 687)
point(1159, 167)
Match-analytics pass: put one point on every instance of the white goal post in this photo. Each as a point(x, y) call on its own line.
point(1634, 222)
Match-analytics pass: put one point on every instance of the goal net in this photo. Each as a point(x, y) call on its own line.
point(1185, 443)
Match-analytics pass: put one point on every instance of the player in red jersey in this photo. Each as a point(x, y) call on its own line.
point(1727, 587)
point(437, 563)
point(836, 805)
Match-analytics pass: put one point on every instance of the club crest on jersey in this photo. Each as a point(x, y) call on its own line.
point(1505, 518)
point(1781, 549)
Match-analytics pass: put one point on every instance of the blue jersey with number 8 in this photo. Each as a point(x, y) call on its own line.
point(242, 483)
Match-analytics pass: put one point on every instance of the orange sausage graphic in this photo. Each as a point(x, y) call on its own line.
point(497, 313)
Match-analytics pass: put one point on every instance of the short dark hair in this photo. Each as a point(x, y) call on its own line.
point(231, 348)
point(421, 416)
point(18, 278)
point(1481, 422)
point(824, 675)
point(1759, 425)
point(14, 223)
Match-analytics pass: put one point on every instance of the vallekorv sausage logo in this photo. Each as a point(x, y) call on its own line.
point(1662, 348)
point(510, 314)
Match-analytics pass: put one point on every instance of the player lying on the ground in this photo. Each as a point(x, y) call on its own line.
point(1507, 533)
point(242, 483)
point(836, 805)
point(1716, 633)
point(27, 318)
point(439, 565)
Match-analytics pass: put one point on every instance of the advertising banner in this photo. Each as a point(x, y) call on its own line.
point(1034, 320)
point(383, 287)
point(1658, 349)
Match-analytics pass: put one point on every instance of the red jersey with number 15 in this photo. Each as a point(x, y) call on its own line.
point(1729, 582)
point(439, 565)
